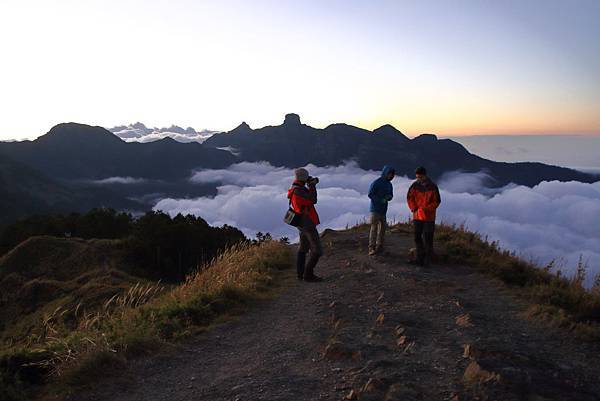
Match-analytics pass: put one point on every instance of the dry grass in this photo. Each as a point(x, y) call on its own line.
point(557, 300)
point(76, 346)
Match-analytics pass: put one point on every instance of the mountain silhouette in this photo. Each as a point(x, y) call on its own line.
point(25, 191)
point(79, 151)
point(294, 144)
point(67, 168)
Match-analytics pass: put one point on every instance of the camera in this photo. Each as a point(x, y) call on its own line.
point(312, 180)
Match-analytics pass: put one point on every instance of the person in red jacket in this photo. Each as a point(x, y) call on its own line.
point(423, 199)
point(303, 197)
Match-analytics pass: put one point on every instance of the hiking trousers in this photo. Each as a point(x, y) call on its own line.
point(310, 242)
point(424, 231)
point(377, 234)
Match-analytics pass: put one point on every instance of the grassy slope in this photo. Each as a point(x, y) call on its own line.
point(79, 346)
point(47, 275)
point(555, 299)
point(76, 347)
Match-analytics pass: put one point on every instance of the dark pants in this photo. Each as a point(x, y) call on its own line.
point(309, 241)
point(424, 240)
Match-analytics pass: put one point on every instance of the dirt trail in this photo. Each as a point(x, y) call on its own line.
point(380, 328)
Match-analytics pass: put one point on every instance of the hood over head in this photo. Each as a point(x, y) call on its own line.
point(387, 169)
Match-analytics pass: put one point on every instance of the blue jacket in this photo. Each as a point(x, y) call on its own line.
point(381, 192)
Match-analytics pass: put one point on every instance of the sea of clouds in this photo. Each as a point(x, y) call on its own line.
point(138, 132)
point(553, 220)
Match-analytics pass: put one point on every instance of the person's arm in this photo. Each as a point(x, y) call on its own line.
point(434, 200)
point(372, 191)
point(305, 197)
point(390, 194)
point(411, 201)
point(312, 191)
point(438, 198)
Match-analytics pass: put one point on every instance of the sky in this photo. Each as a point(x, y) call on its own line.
point(449, 67)
point(575, 151)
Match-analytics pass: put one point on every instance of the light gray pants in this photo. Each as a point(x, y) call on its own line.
point(378, 225)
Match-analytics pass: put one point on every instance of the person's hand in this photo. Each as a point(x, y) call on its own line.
point(312, 181)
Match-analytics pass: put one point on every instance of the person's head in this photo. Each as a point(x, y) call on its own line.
point(301, 175)
point(388, 172)
point(421, 173)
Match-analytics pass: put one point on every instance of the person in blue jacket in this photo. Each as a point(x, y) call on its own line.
point(380, 193)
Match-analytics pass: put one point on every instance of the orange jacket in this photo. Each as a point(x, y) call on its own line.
point(423, 199)
point(302, 200)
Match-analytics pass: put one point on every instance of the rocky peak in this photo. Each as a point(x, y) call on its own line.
point(139, 125)
point(389, 130)
point(243, 127)
point(292, 119)
point(427, 138)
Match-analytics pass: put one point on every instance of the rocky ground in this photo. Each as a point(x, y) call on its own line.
point(376, 329)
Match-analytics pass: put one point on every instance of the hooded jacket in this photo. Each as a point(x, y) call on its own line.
point(381, 192)
point(423, 199)
point(303, 200)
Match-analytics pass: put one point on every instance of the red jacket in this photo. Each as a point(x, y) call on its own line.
point(303, 201)
point(423, 199)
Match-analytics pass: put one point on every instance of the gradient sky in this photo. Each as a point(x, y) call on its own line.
point(449, 67)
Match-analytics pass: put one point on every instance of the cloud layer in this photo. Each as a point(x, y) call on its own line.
point(138, 132)
point(553, 220)
point(119, 180)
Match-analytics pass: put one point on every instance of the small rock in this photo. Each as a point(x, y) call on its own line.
point(410, 347)
point(373, 386)
point(464, 320)
point(474, 374)
point(398, 392)
point(337, 350)
point(467, 350)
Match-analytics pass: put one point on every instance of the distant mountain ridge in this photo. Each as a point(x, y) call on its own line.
point(25, 191)
point(79, 151)
point(138, 132)
point(293, 144)
point(75, 167)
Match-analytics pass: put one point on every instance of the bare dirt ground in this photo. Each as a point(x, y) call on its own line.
point(376, 329)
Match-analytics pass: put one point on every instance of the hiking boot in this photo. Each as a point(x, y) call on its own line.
point(313, 279)
point(372, 252)
point(426, 262)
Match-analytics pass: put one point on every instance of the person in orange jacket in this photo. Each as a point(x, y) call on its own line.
point(303, 197)
point(423, 199)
